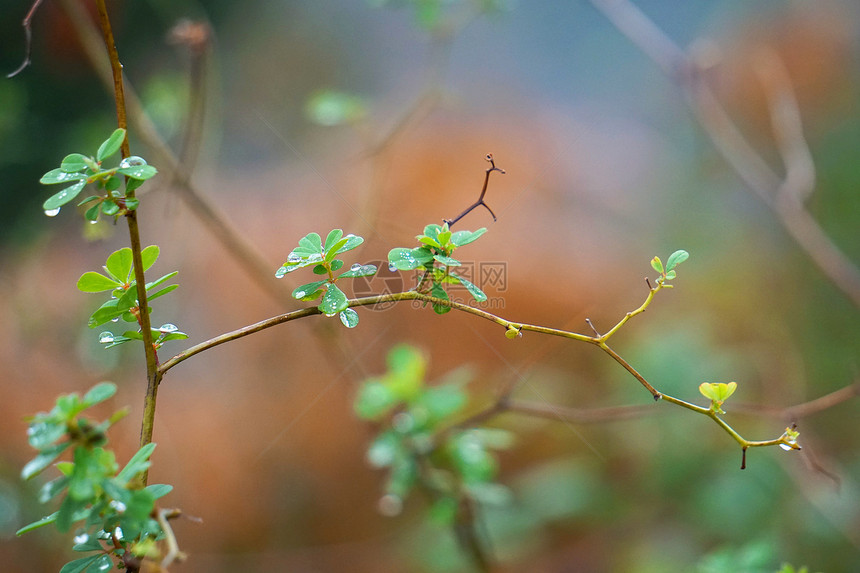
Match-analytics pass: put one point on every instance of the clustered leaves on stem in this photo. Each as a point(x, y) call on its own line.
point(312, 251)
point(81, 170)
point(114, 515)
point(434, 258)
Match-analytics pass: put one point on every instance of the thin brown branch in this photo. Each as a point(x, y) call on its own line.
point(480, 200)
point(803, 410)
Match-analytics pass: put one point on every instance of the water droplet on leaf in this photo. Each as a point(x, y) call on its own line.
point(294, 258)
point(106, 337)
point(392, 268)
point(132, 161)
point(355, 267)
point(279, 274)
point(82, 538)
point(52, 212)
point(167, 328)
point(299, 294)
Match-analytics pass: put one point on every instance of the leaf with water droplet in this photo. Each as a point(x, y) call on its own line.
point(74, 162)
point(281, 273)
point(349, 318)
point(111, 145)
point(336, 264)
point(132, 161)
point(477, 293)
point(447, 261)
point(168, 328)
point(55, 176)
point(59, 199)
point(403, 259)
point(308, 291)
point(358, 270)
point(139, 172)
point(461, 238)
point(52, 212)
point(333, 301)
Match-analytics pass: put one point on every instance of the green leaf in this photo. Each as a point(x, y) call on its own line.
point(333, 301)
point(109, 208)
point(105, 313)
point(352, 241)
point(311, 243)
point(307, 291)
point(43, 433)
point(99, 393)
point(56, 176)
point(320, 270)
point(657, 264)
point(139, 172)
point(47, 520)
point(158, 281)
point(431, 231)
point(92, 564)
point(447, 261)
point(138, 463)
point(676, 259)
point(333, 237)
point(53, 488)
point(43, 460)
point(159, 490)
point(149, 255)
point(440, 402)
point(119, 264)
point(439, 292)
point(111, 145)
point(374, 399)
point(359, 271)
point(74, 162)
point(406, 369)
point(336, 264)
point(58, 200)
point(461, 238)
point(349, 318)
point(162, 292)
point(477, 293)
point(92, 214)
point(91, 544)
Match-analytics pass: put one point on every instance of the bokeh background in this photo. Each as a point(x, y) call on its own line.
point(606, 167)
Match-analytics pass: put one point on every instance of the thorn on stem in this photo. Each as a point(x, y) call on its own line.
point(648, 282)
point(744, 458)
point(594, 330)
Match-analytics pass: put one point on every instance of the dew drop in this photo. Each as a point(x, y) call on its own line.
point(330, 314)
point(167, 328)
point(52, 212)
point(106, 337)
point(279, 274)
point(299, 294)
point(115, 319)
point(82, 538)
point(294, 258)
point(390, 505)
point(392, 268)
point(132, 161)
point(355, 267)
point(785, 447)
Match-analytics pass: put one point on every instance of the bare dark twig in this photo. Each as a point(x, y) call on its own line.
point(480, 200)
point(28, 39)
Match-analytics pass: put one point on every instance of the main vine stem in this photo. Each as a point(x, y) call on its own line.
point(153, 377)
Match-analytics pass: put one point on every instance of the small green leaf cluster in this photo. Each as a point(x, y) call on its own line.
point(80, 170)
point(414, 445)
point(116, 514)
point(322, 255)
point(668, 273)
point(717, 393)
point(434, 256)
point(123, 302)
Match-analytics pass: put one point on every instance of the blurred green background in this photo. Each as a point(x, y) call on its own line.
point(606, 167)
